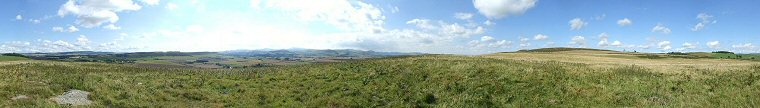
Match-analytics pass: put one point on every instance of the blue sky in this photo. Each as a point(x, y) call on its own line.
point(431, 26)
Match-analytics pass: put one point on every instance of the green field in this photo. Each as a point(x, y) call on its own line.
point(11, 58)
point(413, 81)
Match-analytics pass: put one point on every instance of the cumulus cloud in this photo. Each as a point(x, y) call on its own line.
point(112, 27)
point(346, 15)
point(18, 17)
point(422, 23)
point(524, 42)
point(624, 22)
point(664, 45)
point(603, 40)
point(688, 45)
point(616, 43)
point(705, 19)
point(82, 40)
point(577, 24)
point(698, 27)
point(92, 13)
point(496, 9)
point(69, 29)
point(580, 41)
point(456, 30)
point(489, 42)
point(463, 16)
point(540, 37)
point(486, 38)
point(713, 44)
point(661, 28)
point(746, 47)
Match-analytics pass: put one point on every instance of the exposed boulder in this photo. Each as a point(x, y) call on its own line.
point(73, 97)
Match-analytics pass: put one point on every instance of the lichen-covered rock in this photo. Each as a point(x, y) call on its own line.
point(73, 97)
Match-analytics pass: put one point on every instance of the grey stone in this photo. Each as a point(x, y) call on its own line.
point(73, 97)
point(19, 97)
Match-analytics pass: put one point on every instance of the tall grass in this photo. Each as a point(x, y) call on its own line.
point(412, 81)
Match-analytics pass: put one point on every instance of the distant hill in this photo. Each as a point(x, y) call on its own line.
point(313, 53)
point(558, 49)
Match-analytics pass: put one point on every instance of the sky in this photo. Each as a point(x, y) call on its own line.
point(428, 26)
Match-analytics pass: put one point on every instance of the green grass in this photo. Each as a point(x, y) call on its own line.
point(414, 81)
point(11, 58)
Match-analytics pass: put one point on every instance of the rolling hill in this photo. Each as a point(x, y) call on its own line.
point(565, 78)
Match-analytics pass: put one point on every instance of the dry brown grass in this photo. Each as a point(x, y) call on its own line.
point(611, 58)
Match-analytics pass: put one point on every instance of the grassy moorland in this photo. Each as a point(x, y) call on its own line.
point(496, 80)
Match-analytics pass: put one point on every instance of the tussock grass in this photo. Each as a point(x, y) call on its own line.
point(409, 81)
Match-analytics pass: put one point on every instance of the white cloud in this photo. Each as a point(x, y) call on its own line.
point(422, 23)
point(661, 28)
point(463, 16)
point(72, 29)
point(524, 42)
point(744, 46)
point(705, 19)
point(35, 21)
point(577, 24)
point(69, 29)
point(713, 44)
point(496, 9)
point(540, 37)
point(58, 29)
point(456, 30)
point(664, 45)
point(486, 38)
point(501, 43)
point(346, 15)
point(698, 27)
point(171, 6)
point(603, 40)
point(488, 42)
point(644, 46)
point(580, 41)
point(394, 9)
point(18, 17)
point(194, 29)
point(92, 13)
point(616, 43)
point(624, 22)
point(151, 2)
point(489, 23)
point(112, 27)
point(62, 45)
point(688, 45)
point(82, 40)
